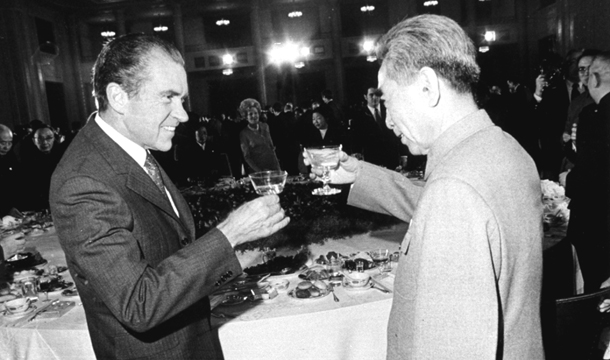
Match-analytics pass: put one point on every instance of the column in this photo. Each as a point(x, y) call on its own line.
point(255, 19)
point(337, 51)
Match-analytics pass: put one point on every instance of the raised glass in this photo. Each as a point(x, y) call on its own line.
point(324, 159)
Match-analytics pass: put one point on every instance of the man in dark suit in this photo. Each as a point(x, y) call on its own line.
point(554, 92)
point(338, 115)
point(128, 234)
point(371, 137)
point(588, 184)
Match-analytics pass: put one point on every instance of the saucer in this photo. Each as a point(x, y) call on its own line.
point(8, 315)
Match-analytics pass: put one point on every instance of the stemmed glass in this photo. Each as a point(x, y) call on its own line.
point(325, 159)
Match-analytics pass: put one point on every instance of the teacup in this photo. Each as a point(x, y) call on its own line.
point(17, 306)
point(357, 279)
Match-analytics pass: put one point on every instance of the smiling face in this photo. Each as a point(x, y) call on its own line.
point(252, 116)
point(319, 121)
point(151, 116)
point(406, 115)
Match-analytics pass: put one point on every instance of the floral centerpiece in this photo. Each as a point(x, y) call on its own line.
point(313, 219)
point(555, 203)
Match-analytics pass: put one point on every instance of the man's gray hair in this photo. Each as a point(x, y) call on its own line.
point(433, 41)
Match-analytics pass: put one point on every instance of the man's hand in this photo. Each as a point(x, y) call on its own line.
point(12, 244)
point(345, 174)
point(254, 220)
point(541, 84)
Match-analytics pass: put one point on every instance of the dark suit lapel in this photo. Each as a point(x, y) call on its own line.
point(137, 179)
point(186, 217)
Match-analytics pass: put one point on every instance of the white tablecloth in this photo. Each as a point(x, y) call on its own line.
point(282, 328)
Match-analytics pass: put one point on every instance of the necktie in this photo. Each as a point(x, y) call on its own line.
point(575, 92)
point(153, 171)
point(378, 117)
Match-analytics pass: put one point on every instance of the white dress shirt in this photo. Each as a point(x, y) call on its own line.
point(134, 150)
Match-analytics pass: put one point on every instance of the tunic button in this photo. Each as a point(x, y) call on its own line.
point(185, 241)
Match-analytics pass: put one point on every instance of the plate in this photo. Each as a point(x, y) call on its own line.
point(291, 293)
point(7, 315)
point(349, 287)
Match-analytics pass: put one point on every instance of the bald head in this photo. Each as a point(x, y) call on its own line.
point(599, 76)
point(6, 139)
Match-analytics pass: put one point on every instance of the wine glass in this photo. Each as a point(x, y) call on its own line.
point(325, 159)
point(269, 182)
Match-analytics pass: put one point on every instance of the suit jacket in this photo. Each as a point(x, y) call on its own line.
point(589, 191)
point(142, 275)
point(378, 144)
point(552, 113)
point(468, 284)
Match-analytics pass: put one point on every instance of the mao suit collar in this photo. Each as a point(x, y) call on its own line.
point(457, 133)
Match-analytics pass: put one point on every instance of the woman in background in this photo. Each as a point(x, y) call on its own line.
point(255, 139)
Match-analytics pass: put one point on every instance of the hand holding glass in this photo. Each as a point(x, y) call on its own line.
point(324, 159)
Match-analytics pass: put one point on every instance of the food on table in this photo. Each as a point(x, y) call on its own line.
point(303, 285)
point(315, 273)
point(307, 289)
point(320, 285)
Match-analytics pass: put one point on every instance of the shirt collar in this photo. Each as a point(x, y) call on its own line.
point(372, 109)
point(134, 150)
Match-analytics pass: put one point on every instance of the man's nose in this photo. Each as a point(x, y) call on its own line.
point(179, 113)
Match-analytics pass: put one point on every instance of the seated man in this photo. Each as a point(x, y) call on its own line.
point(38, 166)
point(9, 167)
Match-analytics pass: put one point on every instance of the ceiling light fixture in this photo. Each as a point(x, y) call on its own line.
point(227, 72)
point(367, 8)
point(108, 33)
point(295, 14)
point(490, 36)
point(228, 59)
point(483, 49)
point(223, 22)
point(431, 3)
point(299, 64)
point(371, 58)
point(160, 28)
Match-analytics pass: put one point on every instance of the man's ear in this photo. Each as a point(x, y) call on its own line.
point(596, 80)
point(117, 97)
point(430, 85)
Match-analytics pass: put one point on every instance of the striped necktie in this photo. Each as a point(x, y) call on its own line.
point(153, 171)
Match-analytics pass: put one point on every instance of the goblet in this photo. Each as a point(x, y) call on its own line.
point(268, 182)
point(325, 159)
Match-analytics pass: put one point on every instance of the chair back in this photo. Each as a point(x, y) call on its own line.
point(578, 325)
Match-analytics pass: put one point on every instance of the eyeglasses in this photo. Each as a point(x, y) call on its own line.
point(583, 69)
point(6, 143)
point(47, 138)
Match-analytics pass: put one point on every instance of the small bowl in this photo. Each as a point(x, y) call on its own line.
point(357, 279)
point(268, 182)
point(17, 306)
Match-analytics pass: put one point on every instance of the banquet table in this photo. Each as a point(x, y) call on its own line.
point(280, 328)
